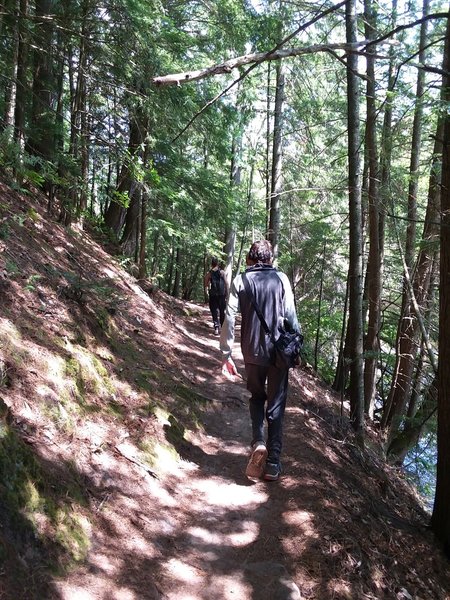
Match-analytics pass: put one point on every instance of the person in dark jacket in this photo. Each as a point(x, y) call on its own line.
point(266, 383)
point(216, 289)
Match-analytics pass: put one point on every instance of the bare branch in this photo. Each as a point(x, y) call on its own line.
point(252, 66)
point(263, 56)
point(279, 52)
point(391, 33)
point(254, 58)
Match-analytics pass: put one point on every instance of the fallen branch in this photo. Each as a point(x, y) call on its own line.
point(254, 58)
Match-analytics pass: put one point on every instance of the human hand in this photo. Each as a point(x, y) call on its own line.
point(229, 369)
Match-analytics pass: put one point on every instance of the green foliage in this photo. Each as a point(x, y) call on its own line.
point(11, 268)
point(31, 281)
point(5, 229)
point(121, 198)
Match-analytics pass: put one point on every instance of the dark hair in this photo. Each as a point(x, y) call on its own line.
point(261, 252)
point(214, 261)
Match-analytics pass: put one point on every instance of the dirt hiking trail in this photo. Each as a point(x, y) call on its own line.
point(157, 442)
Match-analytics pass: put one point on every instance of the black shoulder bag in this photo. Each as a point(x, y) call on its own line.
point(288, 346)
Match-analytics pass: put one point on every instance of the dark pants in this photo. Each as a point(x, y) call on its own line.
point(217, 305)
point(268, 402)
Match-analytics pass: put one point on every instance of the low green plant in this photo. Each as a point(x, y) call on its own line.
point(5, 229)
point(32, 279)
point(11, 268)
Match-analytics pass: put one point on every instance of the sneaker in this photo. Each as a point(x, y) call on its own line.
point(272, 471)
point(216, 330)
point(255, 466)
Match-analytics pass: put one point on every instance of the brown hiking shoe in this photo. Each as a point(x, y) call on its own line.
point(257, 461)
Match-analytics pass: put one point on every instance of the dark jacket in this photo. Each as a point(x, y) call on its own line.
point(273, 294)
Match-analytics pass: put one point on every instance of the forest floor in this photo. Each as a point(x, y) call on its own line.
point(123, 451)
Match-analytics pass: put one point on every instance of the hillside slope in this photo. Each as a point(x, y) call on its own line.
point(122, 451)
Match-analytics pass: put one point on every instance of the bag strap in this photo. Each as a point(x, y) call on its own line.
point(255, 305)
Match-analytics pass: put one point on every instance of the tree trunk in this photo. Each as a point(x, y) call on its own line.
point(415, 147)
point(177, 278)
point(235, 182)
point(116, 213)
point(11, 86)
point(84, 129)
point(319, 315)
point(277, 163)
point(407, 344)
point(170, 267)
point(142, 273)
point(343, 363)
point(267, 157)
point(355, 241)
point(59, 129)
point(440, 520)
point(423, 400)
point(22, 86)
point(409, 437)
point(41, 140)
point(374, 264)
point(131, 230)
point(128, 239)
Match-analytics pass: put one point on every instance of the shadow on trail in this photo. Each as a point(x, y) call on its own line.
point(314, 533)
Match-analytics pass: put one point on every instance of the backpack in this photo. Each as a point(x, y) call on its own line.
point(217, 284)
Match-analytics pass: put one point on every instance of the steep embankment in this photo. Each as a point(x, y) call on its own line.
point(122, 452)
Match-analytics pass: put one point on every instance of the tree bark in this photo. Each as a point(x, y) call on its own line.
point(41, 140)
point(415, 147)
point(235, 182)
point(374, 264)
point(267, 155)
point(255, 58)
point(277, 163)
point(22, 86)
point(343, 362)
point(131, 228)
point(407, 344)
point(355, 241)
point(177, 266)
point(319, 311)
point(11, 86)
point(116, 213)
point(440, 520)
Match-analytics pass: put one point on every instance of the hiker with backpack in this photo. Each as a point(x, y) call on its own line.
point(216, 288)
point(264, 297)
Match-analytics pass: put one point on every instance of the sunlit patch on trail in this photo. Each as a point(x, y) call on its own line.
point(183, 572)
point(302, 521)
point(249, 534)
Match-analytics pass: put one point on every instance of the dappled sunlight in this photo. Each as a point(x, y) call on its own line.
point(225, 586)
point(55, 370)
point(249, 534)
point(232, 447)
point(302, 521)
point(8, 333)
point(183, 572)
point(183, 348)
point(127, 451)
point(104, 353)
point(214, 491)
